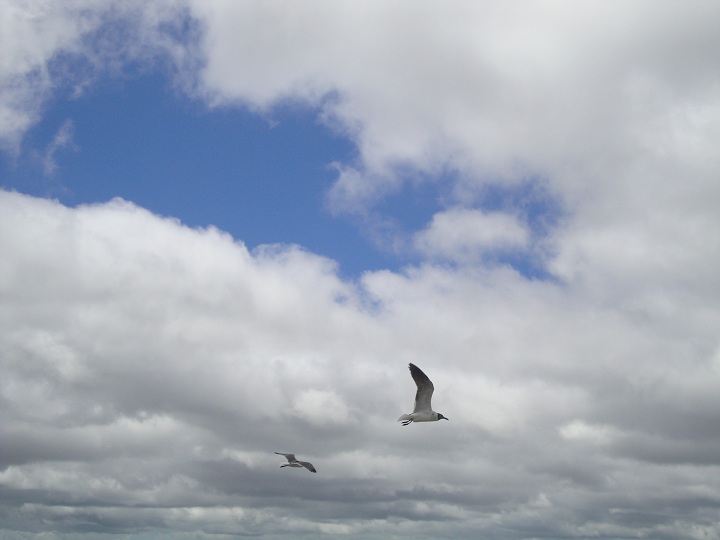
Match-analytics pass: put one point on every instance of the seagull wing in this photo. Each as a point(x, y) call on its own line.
point(308, 466)
point(289, 457)
point(425, 389)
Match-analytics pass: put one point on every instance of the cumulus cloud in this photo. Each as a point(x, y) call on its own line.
point(613, 108)
point(151, 365)
point(321, 407)
point(462, 234)
point(150, 370)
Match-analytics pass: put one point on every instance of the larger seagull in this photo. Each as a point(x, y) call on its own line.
point(293, 462)
point(423, 409)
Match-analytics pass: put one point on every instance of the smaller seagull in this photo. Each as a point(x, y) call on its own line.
point(293, 462)
point(423, 409)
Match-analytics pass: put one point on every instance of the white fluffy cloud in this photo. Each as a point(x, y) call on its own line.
point(462, 235)
point(616, 109)
point(147, 364)
point(150, 370)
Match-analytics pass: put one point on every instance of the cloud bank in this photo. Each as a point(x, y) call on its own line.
point(150, 370)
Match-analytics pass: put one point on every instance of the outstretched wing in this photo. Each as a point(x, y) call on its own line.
point(308, 466)
point(425, 389)
point(290, 457)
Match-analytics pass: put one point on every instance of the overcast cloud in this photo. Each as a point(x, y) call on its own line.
point(149, 370)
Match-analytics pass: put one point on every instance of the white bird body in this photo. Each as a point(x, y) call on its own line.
point(423, 407)
point(421, 416)
point(295, 463)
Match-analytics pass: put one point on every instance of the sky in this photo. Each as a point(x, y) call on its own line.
point(226, 228)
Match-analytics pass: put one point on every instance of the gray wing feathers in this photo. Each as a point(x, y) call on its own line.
point(425, 389)
point(308, 466)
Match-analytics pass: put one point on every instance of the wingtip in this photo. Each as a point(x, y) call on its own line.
point(414, 369)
